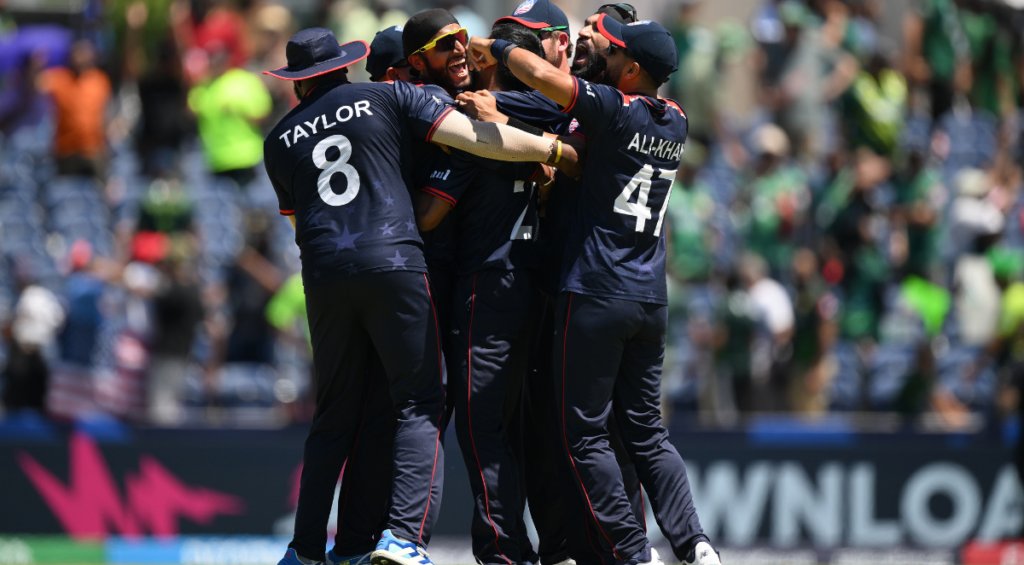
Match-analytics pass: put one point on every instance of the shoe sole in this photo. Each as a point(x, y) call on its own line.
point(382, 557)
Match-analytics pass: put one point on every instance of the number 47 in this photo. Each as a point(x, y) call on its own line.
point(639, 209)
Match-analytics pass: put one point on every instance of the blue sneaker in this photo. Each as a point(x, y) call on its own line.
point(393, 551)
point(292, 558)
point(335, 559)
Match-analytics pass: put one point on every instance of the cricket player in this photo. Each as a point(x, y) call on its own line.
point(612, 314)
point(335, 162)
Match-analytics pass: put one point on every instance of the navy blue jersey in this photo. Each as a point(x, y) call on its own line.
point(336, 163)
point(538, 110)
point(438, 243)
point(533, 108)
point(616, 243)
point(495, 210)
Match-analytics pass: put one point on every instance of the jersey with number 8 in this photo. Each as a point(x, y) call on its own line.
point(616, 243)
point(336, 164)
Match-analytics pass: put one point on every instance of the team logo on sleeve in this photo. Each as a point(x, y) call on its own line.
point(639, 23)
point(399, 28)
point(524, 7)
point(573, 125)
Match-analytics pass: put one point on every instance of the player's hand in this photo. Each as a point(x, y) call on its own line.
point(573, 154)
point(482, 106)
point(478, 53)
point(544, 176)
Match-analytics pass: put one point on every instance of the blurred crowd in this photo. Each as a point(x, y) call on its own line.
point(852, 240)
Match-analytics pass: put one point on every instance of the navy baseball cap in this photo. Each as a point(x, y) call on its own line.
point(315, 51)
point(650, 44)
point(385, 52)
point(538, 14)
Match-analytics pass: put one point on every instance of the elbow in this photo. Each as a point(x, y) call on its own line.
point(427, 223)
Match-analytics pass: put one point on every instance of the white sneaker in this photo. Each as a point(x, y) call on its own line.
point(638, 559)
point(569, 561)
point(703, 554)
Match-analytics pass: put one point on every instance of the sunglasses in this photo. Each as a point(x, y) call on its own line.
point(627, 10)
point(612, 48)
point(548, 29)
point(447, 41)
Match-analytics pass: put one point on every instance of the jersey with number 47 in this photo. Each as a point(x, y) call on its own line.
point(616, 242)
point(336, 163)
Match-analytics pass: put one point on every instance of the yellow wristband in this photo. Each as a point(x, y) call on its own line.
point(558, 151)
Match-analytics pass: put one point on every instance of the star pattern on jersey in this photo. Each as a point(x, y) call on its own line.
point(316, 274)
point(346, 241)
point(387, 229)
point(313, 218)
point(398, 261)
point(377, 184)
point(389, 201)
point(410, 225)
point(352, 269)
point(642, 269)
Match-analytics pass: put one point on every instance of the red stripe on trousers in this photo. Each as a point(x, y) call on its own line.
point(437, 441)
point(469, 419)
point(565, 339)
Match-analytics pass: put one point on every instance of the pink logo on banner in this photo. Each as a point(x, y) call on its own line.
point(90, 505)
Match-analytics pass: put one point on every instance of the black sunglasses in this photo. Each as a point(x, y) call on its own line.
point(612, 48)
point(625, 10)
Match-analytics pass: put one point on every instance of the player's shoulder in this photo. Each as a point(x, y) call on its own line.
point(532, 96)
point(663, 107)
point(434, 91)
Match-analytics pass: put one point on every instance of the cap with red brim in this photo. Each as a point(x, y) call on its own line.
point(647, 42)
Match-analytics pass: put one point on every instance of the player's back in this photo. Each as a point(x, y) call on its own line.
point(616, 246)
point(495, 210)
point(336, 159)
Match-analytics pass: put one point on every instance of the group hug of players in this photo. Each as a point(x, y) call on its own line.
point(481, 232)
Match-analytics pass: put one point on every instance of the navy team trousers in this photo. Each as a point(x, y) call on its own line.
point(558, 511)
point(491, 308)
point(365, 492)
point(608, 358)
point(442, 290)
point(390, 313)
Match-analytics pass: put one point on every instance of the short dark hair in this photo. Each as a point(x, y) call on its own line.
point(522, 36)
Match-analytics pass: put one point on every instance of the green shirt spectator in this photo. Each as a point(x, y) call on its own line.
point(165, 208)
point(929, 301)
point(875, 105)
point(920, 199)
point(228, 109)
point(778, 201)
point(944, 40)
point(691, 238)
point(288, 306)
point(992, 61)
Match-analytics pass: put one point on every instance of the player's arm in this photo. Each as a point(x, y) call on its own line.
point(284, 197)
point(500, 142)
point(482, 106)
point(451, 177)
point(430, 210)
point(534, 71)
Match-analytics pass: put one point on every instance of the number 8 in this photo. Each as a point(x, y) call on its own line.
point(340, 165)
